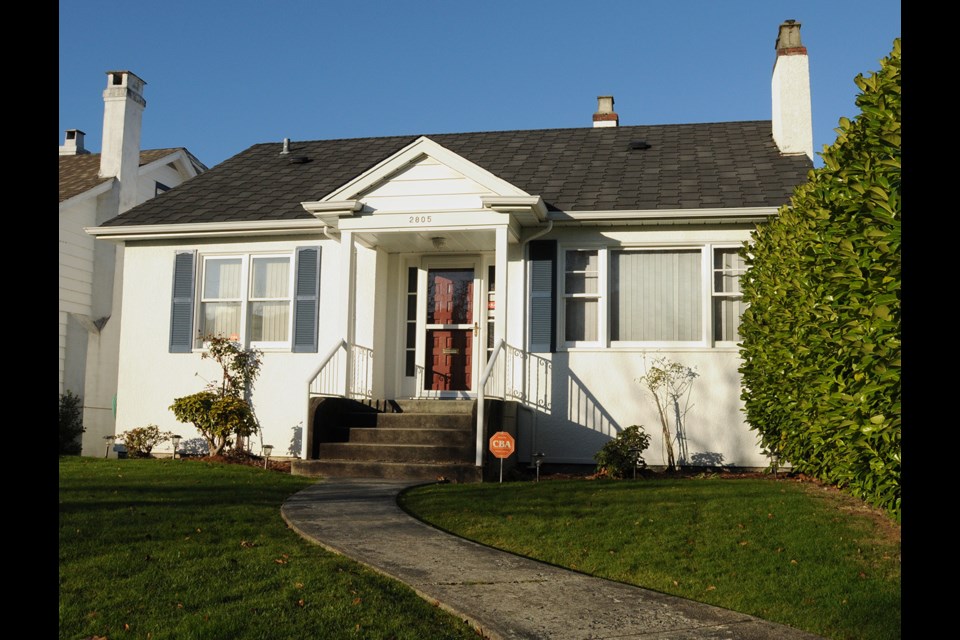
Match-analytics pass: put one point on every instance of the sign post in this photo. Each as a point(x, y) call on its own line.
point(502, 445)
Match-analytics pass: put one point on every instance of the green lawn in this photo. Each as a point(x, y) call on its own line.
point(186, 549)
point(785, 551)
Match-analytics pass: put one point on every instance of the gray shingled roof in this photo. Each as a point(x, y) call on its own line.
point(80, 173)
point(687, 166)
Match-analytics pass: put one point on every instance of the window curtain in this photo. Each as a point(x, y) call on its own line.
point(656, 296)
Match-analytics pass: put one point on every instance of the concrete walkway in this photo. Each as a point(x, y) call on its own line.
point(503, 595)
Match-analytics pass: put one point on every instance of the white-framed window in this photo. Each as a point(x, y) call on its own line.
point(582, 296)
point(246, 298)
point(728, 305)
point(649, 296)
point(656, 296)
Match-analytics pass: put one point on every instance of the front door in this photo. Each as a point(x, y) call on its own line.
point(450, 330)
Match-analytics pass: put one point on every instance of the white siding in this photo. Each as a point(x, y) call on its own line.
point(151, 378)
point(583, 397)
point(425, 185)
point(75, 276)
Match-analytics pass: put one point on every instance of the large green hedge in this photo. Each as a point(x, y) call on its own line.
point(821, 334)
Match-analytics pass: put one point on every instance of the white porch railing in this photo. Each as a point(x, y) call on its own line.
point(346, 371)
point(516, 375)
point(495, 391)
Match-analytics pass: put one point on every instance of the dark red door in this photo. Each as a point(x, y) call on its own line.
point(450, 329)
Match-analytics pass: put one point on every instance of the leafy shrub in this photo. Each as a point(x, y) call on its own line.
point(821, 334)
point(615, 458)
point(224, 408)
point(140, 441)
point(216, 417)
point(71, 423)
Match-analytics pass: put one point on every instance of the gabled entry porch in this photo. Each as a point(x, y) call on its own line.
point(429, 248)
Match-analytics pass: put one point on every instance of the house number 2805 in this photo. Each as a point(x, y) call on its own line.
point(420, 219)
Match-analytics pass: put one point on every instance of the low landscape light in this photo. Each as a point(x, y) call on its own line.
point(538, 460)
point(109, 442)
point(176, 444)
point(774, 461)
point(635, 454)
point(267, 449)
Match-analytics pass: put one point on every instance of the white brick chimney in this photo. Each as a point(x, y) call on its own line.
point(792, 119)
point(605, 117)
point(123, 106)
point(73, 143)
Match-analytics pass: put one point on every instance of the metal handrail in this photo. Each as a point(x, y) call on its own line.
point(341, 344)
point(478, 459)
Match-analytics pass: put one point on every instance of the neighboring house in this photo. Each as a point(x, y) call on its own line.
point(95, 187)
point(567, 258)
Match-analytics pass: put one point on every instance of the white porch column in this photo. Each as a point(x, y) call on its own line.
point(499, 332)
point(347, 311)
point(500, 317)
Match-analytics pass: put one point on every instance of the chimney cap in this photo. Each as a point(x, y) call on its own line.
point(605, 115)
point(788, 38)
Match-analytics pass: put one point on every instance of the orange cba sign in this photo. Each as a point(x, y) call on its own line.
point(502, 444)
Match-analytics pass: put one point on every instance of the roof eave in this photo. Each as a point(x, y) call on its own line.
point(206, 229)
point(657, 216)
point(93, 192)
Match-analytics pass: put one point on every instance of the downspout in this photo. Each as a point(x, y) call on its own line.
point(308, 437)
point(523, 333)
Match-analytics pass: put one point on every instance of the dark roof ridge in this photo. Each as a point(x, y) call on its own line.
point(295, 141)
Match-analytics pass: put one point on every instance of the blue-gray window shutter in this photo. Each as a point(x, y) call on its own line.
point(181, 307)
point(542, 258)
point(306, 300)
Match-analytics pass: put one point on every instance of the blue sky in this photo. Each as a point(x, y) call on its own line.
point(222, 76)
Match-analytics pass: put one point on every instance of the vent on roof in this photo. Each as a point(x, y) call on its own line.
point(639, 144)
point(298, 160)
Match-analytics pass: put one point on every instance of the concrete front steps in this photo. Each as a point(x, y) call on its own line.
point(397, 440)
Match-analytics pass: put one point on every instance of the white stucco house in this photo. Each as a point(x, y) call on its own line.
point(542, 269)
point(94, 188)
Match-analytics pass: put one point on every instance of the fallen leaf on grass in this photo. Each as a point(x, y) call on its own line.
point(357, 601)
point(300, 602)
point(246, 544)
point(711, 588)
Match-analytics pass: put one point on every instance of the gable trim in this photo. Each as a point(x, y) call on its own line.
point(422, 146)
point(93, 192)
point(179, 158)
